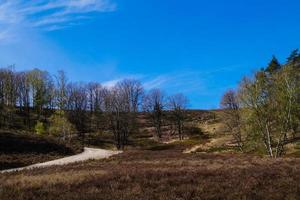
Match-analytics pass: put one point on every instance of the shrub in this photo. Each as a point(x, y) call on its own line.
point(40, 128)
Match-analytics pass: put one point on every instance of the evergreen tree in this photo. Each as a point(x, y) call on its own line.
point(294, 56)
point(273, 66)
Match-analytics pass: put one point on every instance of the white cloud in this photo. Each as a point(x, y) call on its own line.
point(111, 83)
point(47, 15)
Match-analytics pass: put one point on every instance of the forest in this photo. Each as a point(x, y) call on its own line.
point(40, 103)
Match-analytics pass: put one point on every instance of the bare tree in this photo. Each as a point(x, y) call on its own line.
point(23, 87)
point(96, 97)
point(61, 90)
point(153, 104)
point(77, 107)
point(117, 111)
point(231, 116)
point(132, 90)
point(177, 104)
point(121, 105)
point(8, 94)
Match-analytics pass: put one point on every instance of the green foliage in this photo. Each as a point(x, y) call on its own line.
point(40, 128)
point(60, 125)
point(271, 106)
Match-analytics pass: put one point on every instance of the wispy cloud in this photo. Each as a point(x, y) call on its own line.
point(189, 81)
point(157, 81)
point(48, 15)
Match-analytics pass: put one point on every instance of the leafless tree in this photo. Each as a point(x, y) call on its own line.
point(23, 87)
point(8, 95)
point(77, 107)
point(153, 104)
point(117, 112)
point(133, 91)
point(121, 105)
point(231, 116)
point(61, 90)
point(177, 104)
point(96, 97)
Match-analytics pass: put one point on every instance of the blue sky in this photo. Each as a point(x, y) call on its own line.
point(198, 47)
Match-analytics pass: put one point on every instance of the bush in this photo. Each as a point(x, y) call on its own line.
point(40, 128)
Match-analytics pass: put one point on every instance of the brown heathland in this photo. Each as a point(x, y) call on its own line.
point(163, 174)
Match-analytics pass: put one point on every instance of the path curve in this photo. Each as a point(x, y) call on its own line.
point(87, 154)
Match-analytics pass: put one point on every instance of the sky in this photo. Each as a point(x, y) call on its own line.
point(197, 47)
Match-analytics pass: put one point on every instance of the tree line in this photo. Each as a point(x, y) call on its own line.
point(37, 101)
point(264, 111)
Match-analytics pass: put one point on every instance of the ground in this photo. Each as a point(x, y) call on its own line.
point(206, 165)
point(160, 174)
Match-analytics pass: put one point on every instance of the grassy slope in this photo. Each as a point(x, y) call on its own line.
point(160, 174)
point(18, 150)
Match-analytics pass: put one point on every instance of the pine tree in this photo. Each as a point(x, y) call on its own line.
point(294, 56)
point(273, 66)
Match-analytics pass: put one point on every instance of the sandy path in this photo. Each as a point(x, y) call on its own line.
point(214, 142)
point(87, 154)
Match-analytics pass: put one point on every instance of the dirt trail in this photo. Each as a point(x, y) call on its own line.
point(214, 142)
point(87, 154)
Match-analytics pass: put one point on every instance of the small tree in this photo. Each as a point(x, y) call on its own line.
point(60, 126)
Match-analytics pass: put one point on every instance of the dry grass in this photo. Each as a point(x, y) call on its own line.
point(167, 174)
point(69, 177)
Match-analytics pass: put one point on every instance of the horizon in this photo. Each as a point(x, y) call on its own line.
point(198, 48)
